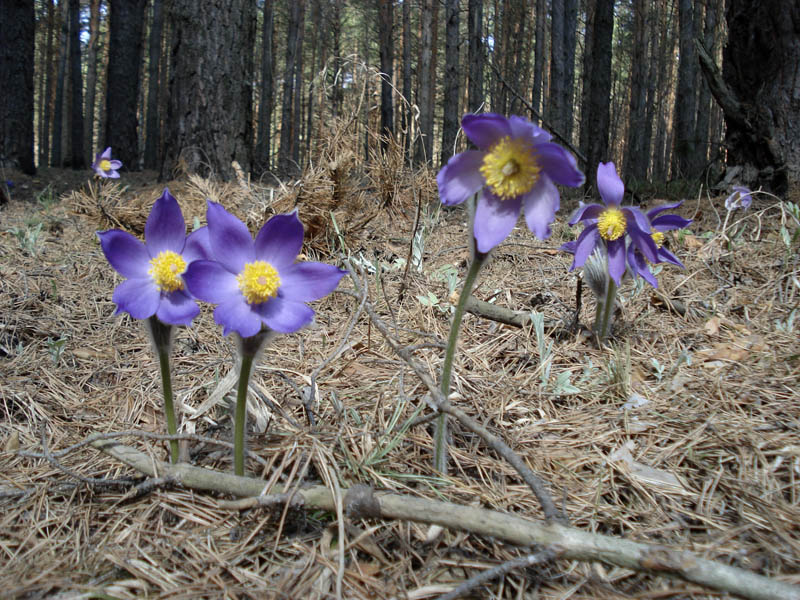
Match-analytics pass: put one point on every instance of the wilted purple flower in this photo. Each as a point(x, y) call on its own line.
point(609, 225)
point(258, 283)
point(104, 166)
point(155, 269)
point(516, 164)
point(739, 198)
point(658, 225)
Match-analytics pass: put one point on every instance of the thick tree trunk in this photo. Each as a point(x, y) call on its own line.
point(425, 147)
point(586, 87)
point(264, 141)
point(555, 100)
point(48, 75)
point(407, 112)
point(702, 133)
point(760, 68)
point(122, 87)
point(152, 145)
point(452, 110)
point(684, 158)
point(600, 86)
point(297, 112)
point(475, 56)
point(76, 121)
point(635, 155)
point(285, 150)
point(56, 153)
point(16, 82)
point(386, 50)
point(209, 118)
point(570, 39)
point(91, 80)
point(538, 58)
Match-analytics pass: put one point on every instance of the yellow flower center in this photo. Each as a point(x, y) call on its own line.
point(105, 165)
point(611, 224)
point(510, 168)
point(658, 238)
point(166, 270)
point(259, 281)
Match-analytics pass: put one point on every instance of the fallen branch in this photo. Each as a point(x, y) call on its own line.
point(571, 543)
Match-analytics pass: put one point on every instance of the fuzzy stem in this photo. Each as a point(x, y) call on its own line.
point(240, 419)
point(602, 324)
point(161, 336)
point(440, 435)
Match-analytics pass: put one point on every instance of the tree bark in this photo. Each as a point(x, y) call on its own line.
point(570, 39)
point(702, 133)
point(152, 146)
point(407, 112)
point(77, 160)
point(48, 77)
point(16, 82)
point(538, 60)
point(209, 116)
point(452, 110)
point(58, 105)
point(586, 85)
point(91, 80)
point(122, 87)
point(555, 100)
point(425, 147)
point(285, 150)
point(386, 50)
point(600, 86)
point(684, 164)
point(635, 155)
point(475, 55)
point(265, 106)
point(297, 113)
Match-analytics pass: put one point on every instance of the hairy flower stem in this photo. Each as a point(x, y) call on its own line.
point(605, 310)
point(440, 435)
point(240, 419)
point(161, 336)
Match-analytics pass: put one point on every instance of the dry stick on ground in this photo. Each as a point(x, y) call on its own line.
point(361, 502)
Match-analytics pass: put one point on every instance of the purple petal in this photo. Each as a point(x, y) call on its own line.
point(569, 247)
point(523, 128)
point(559, 165)
point(105, 154)
point(309, 281)
point(586, 212)
point(636, 219)
point(460, 177)
point(540, 206)
point(668, 256)
point(654, 212)
point(209, 281)
point(115, 164)
point(165, 228)
point(111, 174)
point(584, 245)
point(639, 267)
point(644, 243)
point(279, 241)
point(237, 315)
point(609, 184)
point(177, 308)
point(198, 246)
point(284, 316)
point(137, 297)
point(230, 240)
point(669, 222)
point(494, 219)
point(125, 253)
point(616, 259)
point(486, 129)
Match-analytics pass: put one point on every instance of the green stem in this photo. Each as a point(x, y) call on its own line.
point(169, 407)
point(602, 324)
point(240, 419)
point(440, 435)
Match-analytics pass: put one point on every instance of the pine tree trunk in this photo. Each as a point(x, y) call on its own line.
point(297, 113)
point(570, 35)
point(46, 100)
point(152, 145)
point(555, 100)
point(264, 142)
point(452, 110)
point(635, 156)
point(58, 106)
point(91, 81)
point(685, 107)
point(285, 150)
point(702, 133)
point(16, 83)
point(600, 86)
point(76, 122)
point(407, 112)
point(425, 147)
point(209, 117)
point(586, 85)
point(386, 49)
point(538, 60)
point(475, 55)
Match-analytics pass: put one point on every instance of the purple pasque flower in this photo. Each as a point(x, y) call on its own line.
point(258, 283)
point(515, 165)
point(609, 225)
point(104, 166)
point(739, 198)
point(658, 225)
point(154, 269)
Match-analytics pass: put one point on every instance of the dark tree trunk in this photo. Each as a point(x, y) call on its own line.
point(702, 133)
point(297, 113)
point(452, 110)
point(386, 49)
point(209, 118)
point(538, 60)
point(91, 80)
point(762, 113)
point(685, 108)
point(122, 87)
point(570, 38)
point(652, 61)
point(58, 105)
point(635, 155)
point(48, 76)
point(285, 151)
point(264, 141)
point(16, 83)
point(475, 56)
point(586, 85)
point(407, 112)
point(152, 145)
point(600, 87)
point(76, 80)
point(425, 147)
point(336, 92)
point(665, 75)
point(555, 99)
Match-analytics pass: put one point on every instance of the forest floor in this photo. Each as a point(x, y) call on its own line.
point(683, 431)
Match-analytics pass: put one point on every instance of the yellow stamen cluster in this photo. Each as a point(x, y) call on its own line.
point(510, 168)
point(611, 224)
point(166, 270)
point(658, 238)
point(259, 281)
point(105, 165)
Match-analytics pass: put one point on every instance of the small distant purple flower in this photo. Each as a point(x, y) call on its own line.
point(739, 198)
point(105, 167)
point(609, 224)
point(10, 184)
point(258, 283)
point(155, 269)
point(516, 165)
point(658, 225)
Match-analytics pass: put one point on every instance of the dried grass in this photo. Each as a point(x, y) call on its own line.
point(712, 462)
